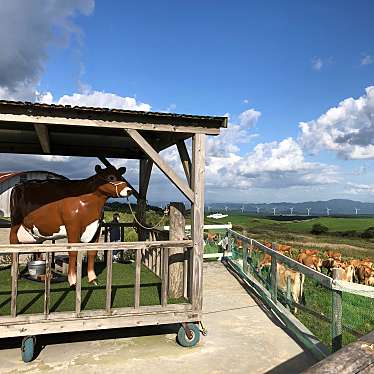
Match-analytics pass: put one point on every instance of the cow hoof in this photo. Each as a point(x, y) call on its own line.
point(73, 286)
point(93, 282)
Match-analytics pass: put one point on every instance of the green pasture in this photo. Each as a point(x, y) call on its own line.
point(303, 226)
point(30, 297)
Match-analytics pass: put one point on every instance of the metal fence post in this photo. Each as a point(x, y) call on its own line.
point(336, 326)
point(288, 294)
point(228, 247)
point(245, 257)
point(274, 276)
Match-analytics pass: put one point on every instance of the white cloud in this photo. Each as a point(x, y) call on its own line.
point(347, 129)
point(26, 30)
point(357, 189)
point(236, 133)
point(318, 63)
point(269, 165)
point(102, 100)
point(367, 60)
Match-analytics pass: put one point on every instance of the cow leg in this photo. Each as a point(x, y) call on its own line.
point(91, 266)
point(72, 272)
point(73, 237)
point(91, 261)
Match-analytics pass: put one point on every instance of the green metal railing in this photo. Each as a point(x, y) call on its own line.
point(334, 311)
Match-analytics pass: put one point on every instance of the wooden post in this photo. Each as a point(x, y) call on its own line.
point(176, 255)
point(109, 267)
point(337, 312)
point(245, 257)
point(197, 184)
point(47, 283)
point(106, 233)
point(138, 265)
point(274, 277)
point(78, 286)
point(145, 169)
point(14, 271)
point(165, 276)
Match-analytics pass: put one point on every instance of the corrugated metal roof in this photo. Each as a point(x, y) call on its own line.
point(4, 176)
point(7, 175)
point(38, 108)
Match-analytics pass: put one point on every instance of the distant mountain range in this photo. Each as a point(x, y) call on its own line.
point(335, 206)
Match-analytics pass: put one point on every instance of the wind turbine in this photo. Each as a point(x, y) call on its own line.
point(357, 210)
point(226, 208)
point(242, 209)
point(291, 210)
point(308, 209)
point(274, 209)
point(258, 210)
point(328, 211)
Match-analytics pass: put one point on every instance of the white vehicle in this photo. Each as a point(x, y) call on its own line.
point(217, 215)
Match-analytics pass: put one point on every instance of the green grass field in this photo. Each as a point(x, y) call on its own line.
point(30, 296)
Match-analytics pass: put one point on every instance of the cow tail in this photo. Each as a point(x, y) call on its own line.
point(15, 209)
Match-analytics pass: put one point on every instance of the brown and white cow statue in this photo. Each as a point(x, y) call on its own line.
point(72, 209)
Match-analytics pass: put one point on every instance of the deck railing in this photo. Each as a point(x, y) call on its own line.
point(48, 249)
point(335, 286)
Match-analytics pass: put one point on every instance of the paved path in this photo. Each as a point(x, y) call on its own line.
point(241, 339)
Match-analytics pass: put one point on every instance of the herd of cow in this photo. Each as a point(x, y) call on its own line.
point(354, 270)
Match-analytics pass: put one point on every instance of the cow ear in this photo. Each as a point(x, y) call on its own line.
point(122, 170)
point(98, 169)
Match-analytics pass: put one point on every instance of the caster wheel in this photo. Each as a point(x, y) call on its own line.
point(182, 338)
point(28, 348)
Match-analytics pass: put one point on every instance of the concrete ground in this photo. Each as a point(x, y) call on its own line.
point(241, 339)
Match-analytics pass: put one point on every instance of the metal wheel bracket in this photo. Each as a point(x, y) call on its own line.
point(203, 330)
point(187, 330)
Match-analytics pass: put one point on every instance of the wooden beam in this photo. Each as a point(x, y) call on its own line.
point(47, 120)
point(43, 136)
point(185, 158)
point(145, 169)
point(197, 183)
point(80, 247)
point(163, 166)
point(145, 176)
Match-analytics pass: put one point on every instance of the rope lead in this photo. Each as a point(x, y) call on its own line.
point(166, 212)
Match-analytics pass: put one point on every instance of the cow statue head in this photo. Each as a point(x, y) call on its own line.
point(111, 182)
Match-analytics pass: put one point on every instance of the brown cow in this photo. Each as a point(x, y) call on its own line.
point(310, 252)
point(365, 275)
point(212, 237)
point(314, 262)
point(334, 255)
point(297, 282)
point(72, 209)
point(266, 261)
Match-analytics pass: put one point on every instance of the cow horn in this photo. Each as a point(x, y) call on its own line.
point(105, 162)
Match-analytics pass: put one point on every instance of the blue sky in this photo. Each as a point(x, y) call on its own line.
point(290, 61)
